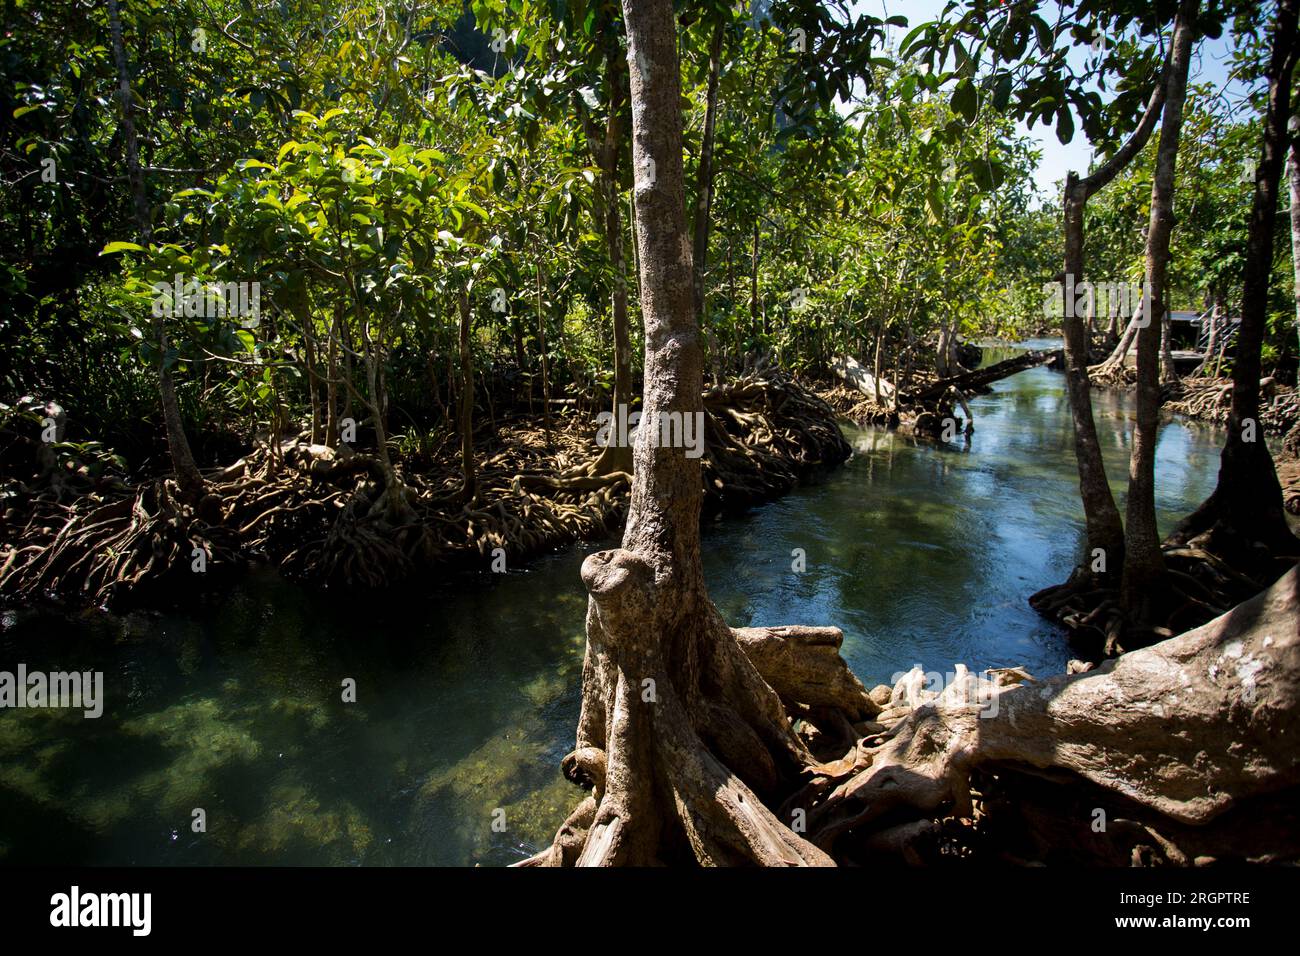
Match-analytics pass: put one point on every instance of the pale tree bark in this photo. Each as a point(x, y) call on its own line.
point(704, 191)
point(615, 457)
point(1112, 325)
point(679, 738)
point(1247, 502)
point(187, 471)
point(1119, 354)
point(1101, 516)
point(1143, 561)
point(468, 486)
point(941, 352)
point(1293, 176)
point(1212, 342)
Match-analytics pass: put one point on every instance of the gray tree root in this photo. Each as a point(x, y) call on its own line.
point(1182, 733)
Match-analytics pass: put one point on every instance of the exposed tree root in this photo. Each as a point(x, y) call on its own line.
point(1174, 750)
point(1288, 475)
point(762, 435)
point(1128, 763)
point(935, 419)
point(148, 542)
point(714, 731)
point(1210, 400)
point(1113, 375)
point(1198, 585)
point(328, 516)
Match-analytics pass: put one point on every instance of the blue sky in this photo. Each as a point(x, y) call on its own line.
point(1210, 65)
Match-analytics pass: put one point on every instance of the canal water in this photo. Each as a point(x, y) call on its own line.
point(467, 693)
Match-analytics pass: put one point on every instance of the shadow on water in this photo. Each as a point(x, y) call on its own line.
point(467, 694)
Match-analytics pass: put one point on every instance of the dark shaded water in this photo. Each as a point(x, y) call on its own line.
point(467, 694)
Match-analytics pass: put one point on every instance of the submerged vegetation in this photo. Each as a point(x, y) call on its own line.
point(362, 291)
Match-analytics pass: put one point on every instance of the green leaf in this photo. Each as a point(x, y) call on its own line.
point(965, 102)
point(1064, 124)
point(114, 247)
point(1002, 93)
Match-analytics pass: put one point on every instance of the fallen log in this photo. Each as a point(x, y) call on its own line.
point(853, 373)
point(969, 381)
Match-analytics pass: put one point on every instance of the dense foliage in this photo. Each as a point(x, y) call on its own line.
point(369, 163)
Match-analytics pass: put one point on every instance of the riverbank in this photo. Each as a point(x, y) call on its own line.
point(334, 517)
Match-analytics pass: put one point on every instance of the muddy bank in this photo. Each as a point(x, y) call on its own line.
point(332, 517)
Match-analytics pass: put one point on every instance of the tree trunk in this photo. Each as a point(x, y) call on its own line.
point(1119, 354)
point(616, 457)
point(1247, 502)
point(517, 335)
point(1143, 561)
point(1293, 175)
point(332, 387)
point(678, 733)
point(1207, 366)
point(1168, 372)
point(1112, 325)
point(466, 402)
point(1101, 516)
point(187, 471)
point(879, 358)
point(311, 363)
point(704, 193)
point(371, 359)
point(546, 362)
point(753, 285)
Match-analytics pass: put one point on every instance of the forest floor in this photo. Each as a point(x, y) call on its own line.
point(327, 516)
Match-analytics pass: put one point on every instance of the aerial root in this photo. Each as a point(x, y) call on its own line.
point(326, 515)
point(1195, 587)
